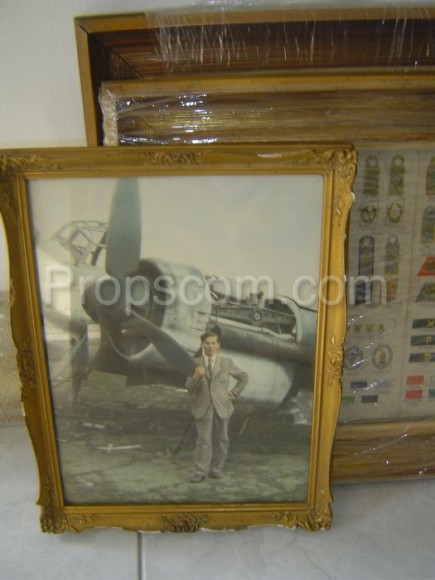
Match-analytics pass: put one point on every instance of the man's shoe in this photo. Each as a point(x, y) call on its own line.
point(197, 478)
point(216, 474)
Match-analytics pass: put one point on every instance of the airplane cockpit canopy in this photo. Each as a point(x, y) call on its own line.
point(86, 240)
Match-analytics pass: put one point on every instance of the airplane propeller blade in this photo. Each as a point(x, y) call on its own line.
point(169, 348)
point(122, 260)
point(124, 231)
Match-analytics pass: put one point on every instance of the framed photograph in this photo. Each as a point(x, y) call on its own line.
point(179, 318)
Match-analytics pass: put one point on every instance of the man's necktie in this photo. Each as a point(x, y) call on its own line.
point(209, 368)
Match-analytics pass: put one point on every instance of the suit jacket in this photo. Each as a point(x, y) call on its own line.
point(216, 390)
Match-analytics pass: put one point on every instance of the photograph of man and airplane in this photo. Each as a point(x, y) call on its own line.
point(180, 322)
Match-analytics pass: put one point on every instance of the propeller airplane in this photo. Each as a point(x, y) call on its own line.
point(147, 315)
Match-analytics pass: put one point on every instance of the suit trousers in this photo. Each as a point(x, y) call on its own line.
point(212, 442)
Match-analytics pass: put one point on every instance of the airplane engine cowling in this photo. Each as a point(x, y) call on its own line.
point(178, 301)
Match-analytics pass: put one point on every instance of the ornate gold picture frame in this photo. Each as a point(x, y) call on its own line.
point(116, 274)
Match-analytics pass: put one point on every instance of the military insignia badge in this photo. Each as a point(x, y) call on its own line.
point(430, 178)
point(354, 358)
point(395, 212)
point(426, 294)
point(371, 176)
point(397, 176)
point(368, 213)
point(392, 250)
point(427, 233)
point(428, 267)
point(366, 257)
point(382, 357)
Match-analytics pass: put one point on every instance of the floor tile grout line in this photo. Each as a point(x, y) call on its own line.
point(141, 574)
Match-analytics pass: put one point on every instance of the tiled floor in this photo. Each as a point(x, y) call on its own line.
point(380, 531)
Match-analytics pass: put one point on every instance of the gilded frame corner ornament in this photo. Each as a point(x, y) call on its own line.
point(20, 170)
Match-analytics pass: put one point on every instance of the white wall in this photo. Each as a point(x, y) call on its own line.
point(40, 98)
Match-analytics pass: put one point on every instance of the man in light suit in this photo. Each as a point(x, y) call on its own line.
point(212, 406)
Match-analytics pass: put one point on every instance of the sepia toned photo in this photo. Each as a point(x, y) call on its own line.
point(167, 272)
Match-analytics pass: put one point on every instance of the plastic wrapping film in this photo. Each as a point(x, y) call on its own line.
point(258, 108)
point(251, 35)
point(388, 403)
